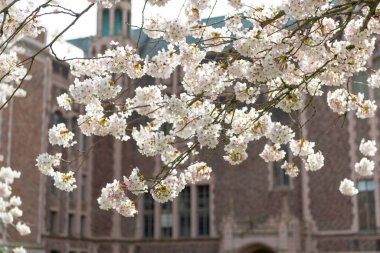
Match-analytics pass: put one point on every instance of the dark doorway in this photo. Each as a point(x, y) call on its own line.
point(262, 251)
point(257, 248)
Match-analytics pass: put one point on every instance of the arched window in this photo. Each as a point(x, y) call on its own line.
point(118, 24)
point(106, 23)
point(56, 118)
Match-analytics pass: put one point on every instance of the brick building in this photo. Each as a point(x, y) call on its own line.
point(250, 208)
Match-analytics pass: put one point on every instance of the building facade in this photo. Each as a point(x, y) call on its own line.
point(250, 208)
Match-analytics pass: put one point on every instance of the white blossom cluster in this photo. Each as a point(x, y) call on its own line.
point(341, 101)
point(47, 164)
point(136, 183)
point(105, 3)
point(13, 29)
point(291, 169)
point(198, 172)
point(272, 153)
point(18, 20)
point(168, 188)
point(233, 77)
point(363, 168)
point(19, 250)
point(60, 135)
point(303, 149)
point(368, 148)
point(374, 80)
point(158, 2)
point(113, 196)
point(347, 187)
point(10, 212)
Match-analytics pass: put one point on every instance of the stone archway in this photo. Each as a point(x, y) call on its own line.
point(257, 248)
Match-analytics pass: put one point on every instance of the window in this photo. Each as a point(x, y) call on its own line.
point(192, 214)
point(61, 69)
point(184, 208)
point(83, 183)
point(106, 22)
point(53, 222)
point(366, 205)
point(82, 226)
point(280, 179)
point(359, 84)
point(203, 215)
point(376, 66)
point(148, 217)
point(70, 224)
point(118, 24)
point(166, 220)
point(56, 118)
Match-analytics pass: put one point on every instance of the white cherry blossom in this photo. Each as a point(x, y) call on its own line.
point(347, 187)
point(60, 135)
point(368, 148)
point(64, 181)
point(365, 167)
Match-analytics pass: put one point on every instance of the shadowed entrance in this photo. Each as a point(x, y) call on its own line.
point(257, 248)
point(262, 251)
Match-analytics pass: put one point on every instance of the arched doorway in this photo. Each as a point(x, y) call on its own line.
point(262, 251)
point(257, 248)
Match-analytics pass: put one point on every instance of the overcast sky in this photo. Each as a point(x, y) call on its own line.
point(87, 24)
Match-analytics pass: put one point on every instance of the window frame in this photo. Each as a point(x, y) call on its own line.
point(70, 224)
point(82, 229)
point(203, 211)
point(369, 208)
point(271, 175)
point(184, 213)
point(156, 212)
point(148, 214)
point(53, 222)
point(166, 220)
